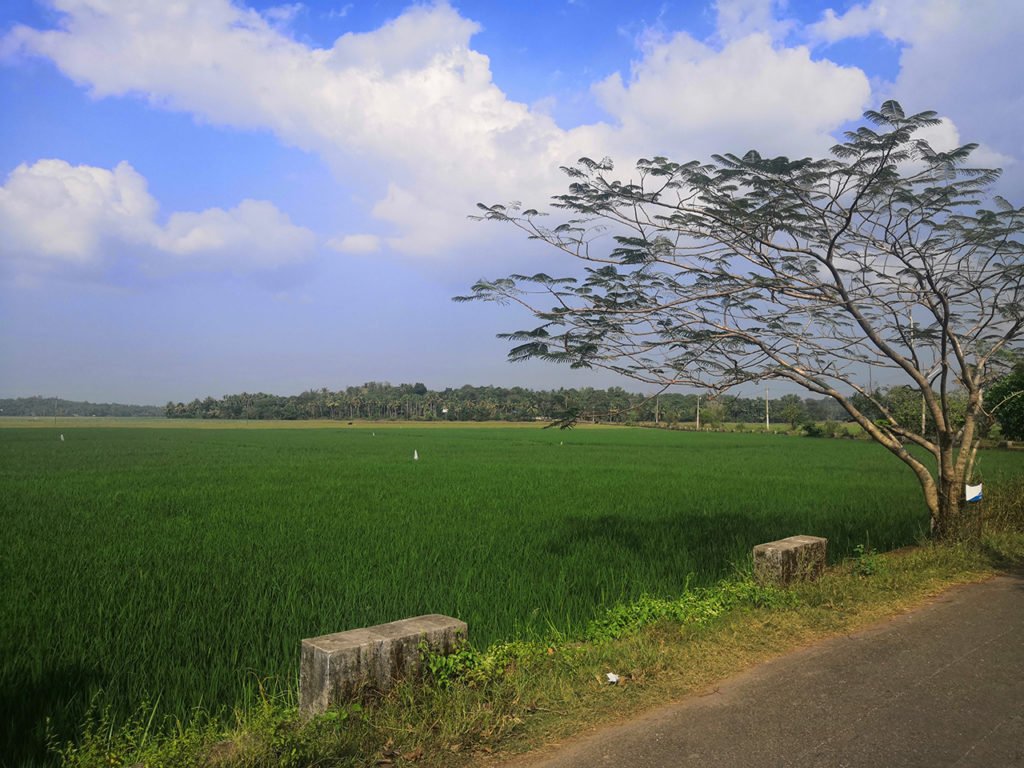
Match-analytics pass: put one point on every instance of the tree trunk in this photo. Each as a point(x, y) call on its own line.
point(952, 518)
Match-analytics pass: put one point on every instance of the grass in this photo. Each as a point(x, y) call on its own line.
point(170, 571)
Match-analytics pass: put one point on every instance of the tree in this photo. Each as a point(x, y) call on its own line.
point(1005, 402)
point(792, 410)
point(712, 413)
point(888, 256)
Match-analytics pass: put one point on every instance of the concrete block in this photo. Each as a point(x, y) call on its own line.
point(335, 668)
point(793, 559)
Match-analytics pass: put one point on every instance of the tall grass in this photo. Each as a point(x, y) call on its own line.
point(182, 567)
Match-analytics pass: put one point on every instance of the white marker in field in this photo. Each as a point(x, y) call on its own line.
point(62, 437)
point(415, 456)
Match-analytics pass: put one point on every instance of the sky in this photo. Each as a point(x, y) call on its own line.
point(203, 197)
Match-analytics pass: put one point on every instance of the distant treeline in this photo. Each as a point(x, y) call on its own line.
point(54, 406)
point(381, 400)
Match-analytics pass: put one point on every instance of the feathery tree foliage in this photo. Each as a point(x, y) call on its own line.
point(888, 254)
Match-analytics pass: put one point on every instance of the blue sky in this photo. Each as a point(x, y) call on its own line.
point(205, 197)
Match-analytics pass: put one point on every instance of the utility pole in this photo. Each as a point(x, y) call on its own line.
point(767, 420)
point(657, 409)
point(698, 413)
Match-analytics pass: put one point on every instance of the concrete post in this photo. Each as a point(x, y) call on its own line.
point(334, 668)
point(793, 559)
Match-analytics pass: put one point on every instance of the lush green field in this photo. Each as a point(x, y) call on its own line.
point(183, 566)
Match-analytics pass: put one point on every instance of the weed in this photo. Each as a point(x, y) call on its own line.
point(694, 607)
point(868, 561)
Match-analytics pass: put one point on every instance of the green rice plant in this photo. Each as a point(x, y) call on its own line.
point(184, 566)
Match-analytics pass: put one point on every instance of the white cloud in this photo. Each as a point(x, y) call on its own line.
point(739, 18)
point(355, 244)
point(946, 136)
point(58, 216)
point(859, 21)
point(409, 103)
point(411, 111)
point(905, 20)
point(62, 213)
point(420, 39)
point(750, 94)
point(339, 13)
point(961, 59)
point(252, 235)
point(283, 14)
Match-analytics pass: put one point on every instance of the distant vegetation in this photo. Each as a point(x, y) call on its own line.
point(54, 406)
point(381, 400)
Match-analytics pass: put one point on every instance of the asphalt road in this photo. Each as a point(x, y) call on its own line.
point(942, 686)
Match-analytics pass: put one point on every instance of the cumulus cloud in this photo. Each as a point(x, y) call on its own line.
point(355, 244)
point(58, 216)
point(946, 136)
point(283, 15)
point(749, 94)
point(62, 213)
point(252, 235)
point(739, 18)
point(959, 58)
point(412, 111)
point(858, 21)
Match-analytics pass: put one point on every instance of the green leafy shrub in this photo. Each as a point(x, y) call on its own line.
point(810, 429)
